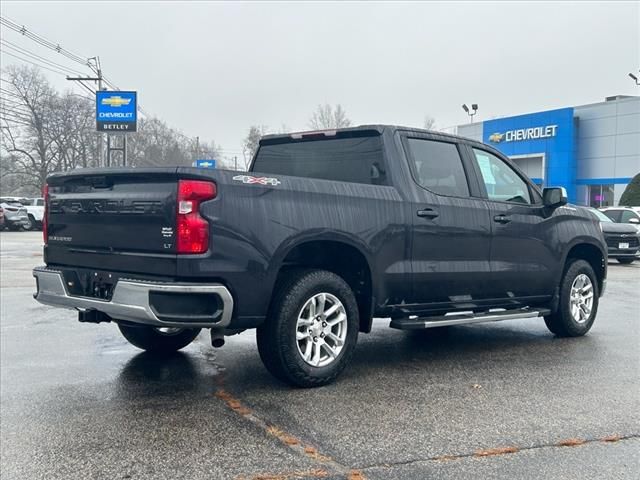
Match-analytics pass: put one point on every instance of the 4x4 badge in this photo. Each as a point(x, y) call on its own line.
point(257, 180)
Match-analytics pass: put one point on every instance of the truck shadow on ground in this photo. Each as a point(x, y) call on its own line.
point(146, 374)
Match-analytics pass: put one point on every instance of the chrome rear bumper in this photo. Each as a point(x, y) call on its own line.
point(130, 299)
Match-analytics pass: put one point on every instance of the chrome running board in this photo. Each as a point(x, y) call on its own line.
point(419, 323)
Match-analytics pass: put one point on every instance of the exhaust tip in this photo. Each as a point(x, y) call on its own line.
point(217, 342)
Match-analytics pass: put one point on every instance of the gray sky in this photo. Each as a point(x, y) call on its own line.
point(213, 69)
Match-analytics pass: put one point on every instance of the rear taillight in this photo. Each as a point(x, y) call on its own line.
point(192, 234)
point(45, 195)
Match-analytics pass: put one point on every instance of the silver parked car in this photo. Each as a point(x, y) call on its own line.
point(15, 214)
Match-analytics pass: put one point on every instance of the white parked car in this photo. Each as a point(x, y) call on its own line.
point(35, 211)
point(623, 215)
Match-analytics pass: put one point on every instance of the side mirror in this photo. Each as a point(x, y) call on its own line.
point(554, 197)
point(634, 220)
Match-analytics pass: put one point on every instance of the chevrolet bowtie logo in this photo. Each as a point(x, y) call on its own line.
point(115, 101)
point(496, 137)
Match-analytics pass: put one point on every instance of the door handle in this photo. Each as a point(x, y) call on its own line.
point(428, 213)
point(502, 219)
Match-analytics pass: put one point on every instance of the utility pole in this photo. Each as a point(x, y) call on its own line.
point(97, 69)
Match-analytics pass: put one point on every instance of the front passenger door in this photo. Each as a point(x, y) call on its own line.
point(523, 262)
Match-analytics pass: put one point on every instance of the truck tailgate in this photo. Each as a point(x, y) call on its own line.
point(114, 220)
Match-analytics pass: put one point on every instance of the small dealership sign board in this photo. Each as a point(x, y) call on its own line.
point(116, 112)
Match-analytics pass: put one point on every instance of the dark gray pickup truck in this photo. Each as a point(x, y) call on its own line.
point(326, 231)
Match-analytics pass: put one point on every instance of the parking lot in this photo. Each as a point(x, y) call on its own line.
point(504, 400)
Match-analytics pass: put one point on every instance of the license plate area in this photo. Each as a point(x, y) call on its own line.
point(623, 245)
point(90, 283)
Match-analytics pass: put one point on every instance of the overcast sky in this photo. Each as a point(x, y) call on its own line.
point(213, 69)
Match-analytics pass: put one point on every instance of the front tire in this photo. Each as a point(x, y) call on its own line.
point(311, 330)
point(578, 305)
point(31, 224)
point(158, 340)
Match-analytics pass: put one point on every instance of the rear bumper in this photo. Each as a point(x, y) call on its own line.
point(131, 300)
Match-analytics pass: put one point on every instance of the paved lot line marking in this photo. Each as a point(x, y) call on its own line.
point(289, 440)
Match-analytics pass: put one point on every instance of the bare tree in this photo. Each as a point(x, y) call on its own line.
point(251, 142)
point(327, 116)
point(27, 136)
point(429, 123)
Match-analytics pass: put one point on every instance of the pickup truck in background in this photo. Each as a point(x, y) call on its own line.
point(327, 231)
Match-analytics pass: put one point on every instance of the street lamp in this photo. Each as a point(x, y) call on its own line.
point(470, 111)
point(635, 79)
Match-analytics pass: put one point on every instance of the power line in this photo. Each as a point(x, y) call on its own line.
point(21, 29)
point(15, 106)
point(59, 72)
point(37, 57)
point(15, 113)
point(8, 92)
point(11, 120)
point(86, 61)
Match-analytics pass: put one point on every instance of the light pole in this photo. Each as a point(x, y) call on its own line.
point(470, 111)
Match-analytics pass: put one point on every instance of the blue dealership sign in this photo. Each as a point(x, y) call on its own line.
point(550, 136)
point(116, 111)
point(204, 163)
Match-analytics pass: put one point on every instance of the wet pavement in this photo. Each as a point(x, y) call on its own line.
point(483, 401)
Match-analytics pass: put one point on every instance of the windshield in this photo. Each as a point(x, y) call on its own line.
point(599, 215)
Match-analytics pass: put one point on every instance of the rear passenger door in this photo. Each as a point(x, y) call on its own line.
point(450, 237)
point(523, 261)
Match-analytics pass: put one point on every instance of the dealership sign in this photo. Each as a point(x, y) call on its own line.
point(116, 111)
point(522, 134)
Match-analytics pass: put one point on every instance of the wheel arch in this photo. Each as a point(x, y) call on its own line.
point(591, 253)
point(336, 254)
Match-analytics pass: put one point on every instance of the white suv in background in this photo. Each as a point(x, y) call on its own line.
point(623, 215)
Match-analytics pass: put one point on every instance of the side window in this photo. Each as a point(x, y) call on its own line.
point(627, 215)
point(613, 215)
point(347, 159)
point(438, 167)
point(503, 184)
point(40, 202)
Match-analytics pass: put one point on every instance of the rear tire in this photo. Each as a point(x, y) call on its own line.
point(158, 340)
point(578, 305)
point(311, 330)
point(626, 261)
point(13, 227)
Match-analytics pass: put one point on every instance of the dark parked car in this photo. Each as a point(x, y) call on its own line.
point(326, 231)
point(623, 239)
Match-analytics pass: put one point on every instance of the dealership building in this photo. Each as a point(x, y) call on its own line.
point(591, 150)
